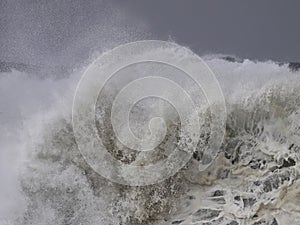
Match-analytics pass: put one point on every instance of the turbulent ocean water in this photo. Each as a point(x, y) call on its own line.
point(253, 180)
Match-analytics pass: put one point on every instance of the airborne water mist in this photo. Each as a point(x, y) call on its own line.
point(255, 178)
point(45, 48)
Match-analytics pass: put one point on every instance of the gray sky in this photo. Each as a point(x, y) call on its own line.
point(268, 29)
point(65, 33)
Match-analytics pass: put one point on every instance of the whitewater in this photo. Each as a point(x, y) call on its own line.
point(253, 180)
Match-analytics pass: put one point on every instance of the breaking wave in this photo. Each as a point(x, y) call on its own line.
point(253, 180)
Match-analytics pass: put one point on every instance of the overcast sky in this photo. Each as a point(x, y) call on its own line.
point(66, 32)
point(268, 29)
